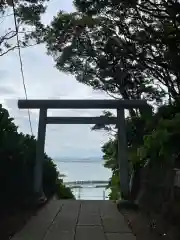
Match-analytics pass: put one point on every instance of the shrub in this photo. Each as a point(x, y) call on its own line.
point(18, 152)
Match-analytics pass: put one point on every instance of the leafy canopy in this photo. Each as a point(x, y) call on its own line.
point(129, 48)
point(28, 14)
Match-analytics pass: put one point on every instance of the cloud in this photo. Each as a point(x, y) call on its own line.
point(3, 75)
point(54, 7)
point(6, 91)
point(44, 81)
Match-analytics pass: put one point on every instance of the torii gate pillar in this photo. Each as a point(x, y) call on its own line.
point(123, 153)
point(38, 169)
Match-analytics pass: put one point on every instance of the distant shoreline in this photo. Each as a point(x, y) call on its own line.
point(79, 160)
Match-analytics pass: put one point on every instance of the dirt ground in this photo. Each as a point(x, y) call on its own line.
point(13, 221)
point(145, 228)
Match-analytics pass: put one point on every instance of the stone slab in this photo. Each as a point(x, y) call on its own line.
point(37, 226)
point(89, 233)
point(63, 228)
point(109, 209)
point(113, 221)
point(120, 236)
point(90, 206)
point(89, 214)
point(77, 220)
point(61, 235)
point(115, 226)
point(89, 220)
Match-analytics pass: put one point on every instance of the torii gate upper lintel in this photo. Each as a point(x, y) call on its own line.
point(119, 105)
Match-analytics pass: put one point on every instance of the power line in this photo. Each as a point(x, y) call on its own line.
point(21, 63)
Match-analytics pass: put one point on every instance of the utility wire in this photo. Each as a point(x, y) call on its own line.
point(21, 63)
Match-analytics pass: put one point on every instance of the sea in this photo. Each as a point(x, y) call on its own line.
point(85, 169)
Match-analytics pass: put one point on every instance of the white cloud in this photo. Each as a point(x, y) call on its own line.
point(54, 6)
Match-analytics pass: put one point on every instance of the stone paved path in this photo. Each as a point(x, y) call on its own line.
point(77, 220)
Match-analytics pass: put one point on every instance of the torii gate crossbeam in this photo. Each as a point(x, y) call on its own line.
point(119, 105)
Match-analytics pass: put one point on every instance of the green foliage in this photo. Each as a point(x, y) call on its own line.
point(114, 185)
point(135, 131)
point(17, 153)
point(155, 138)
point(110, 154)
point(162, 144)
point(28, 14)
point(130, 48)
point(63, 192)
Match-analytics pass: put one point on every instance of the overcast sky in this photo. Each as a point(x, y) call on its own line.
point(44, 81)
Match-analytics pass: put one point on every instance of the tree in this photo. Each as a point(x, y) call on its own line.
point(29, 27)
point(136, 129)
point(109, 150)
point(120, 47)
point(153, 139)
point(18, 153)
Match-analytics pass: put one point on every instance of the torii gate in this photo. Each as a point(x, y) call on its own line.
point(119, 105)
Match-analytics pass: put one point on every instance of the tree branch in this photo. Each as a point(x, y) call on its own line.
point(7, 38)
point(10, 49)
point(111, 95)
point(14, 47)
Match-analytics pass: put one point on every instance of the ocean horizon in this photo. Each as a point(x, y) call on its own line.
point(98, 158)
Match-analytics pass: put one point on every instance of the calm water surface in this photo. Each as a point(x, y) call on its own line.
point(85, 171)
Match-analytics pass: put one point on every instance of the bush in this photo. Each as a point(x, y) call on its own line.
point(63, 192)
point(155, 138)
point(18, 152)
